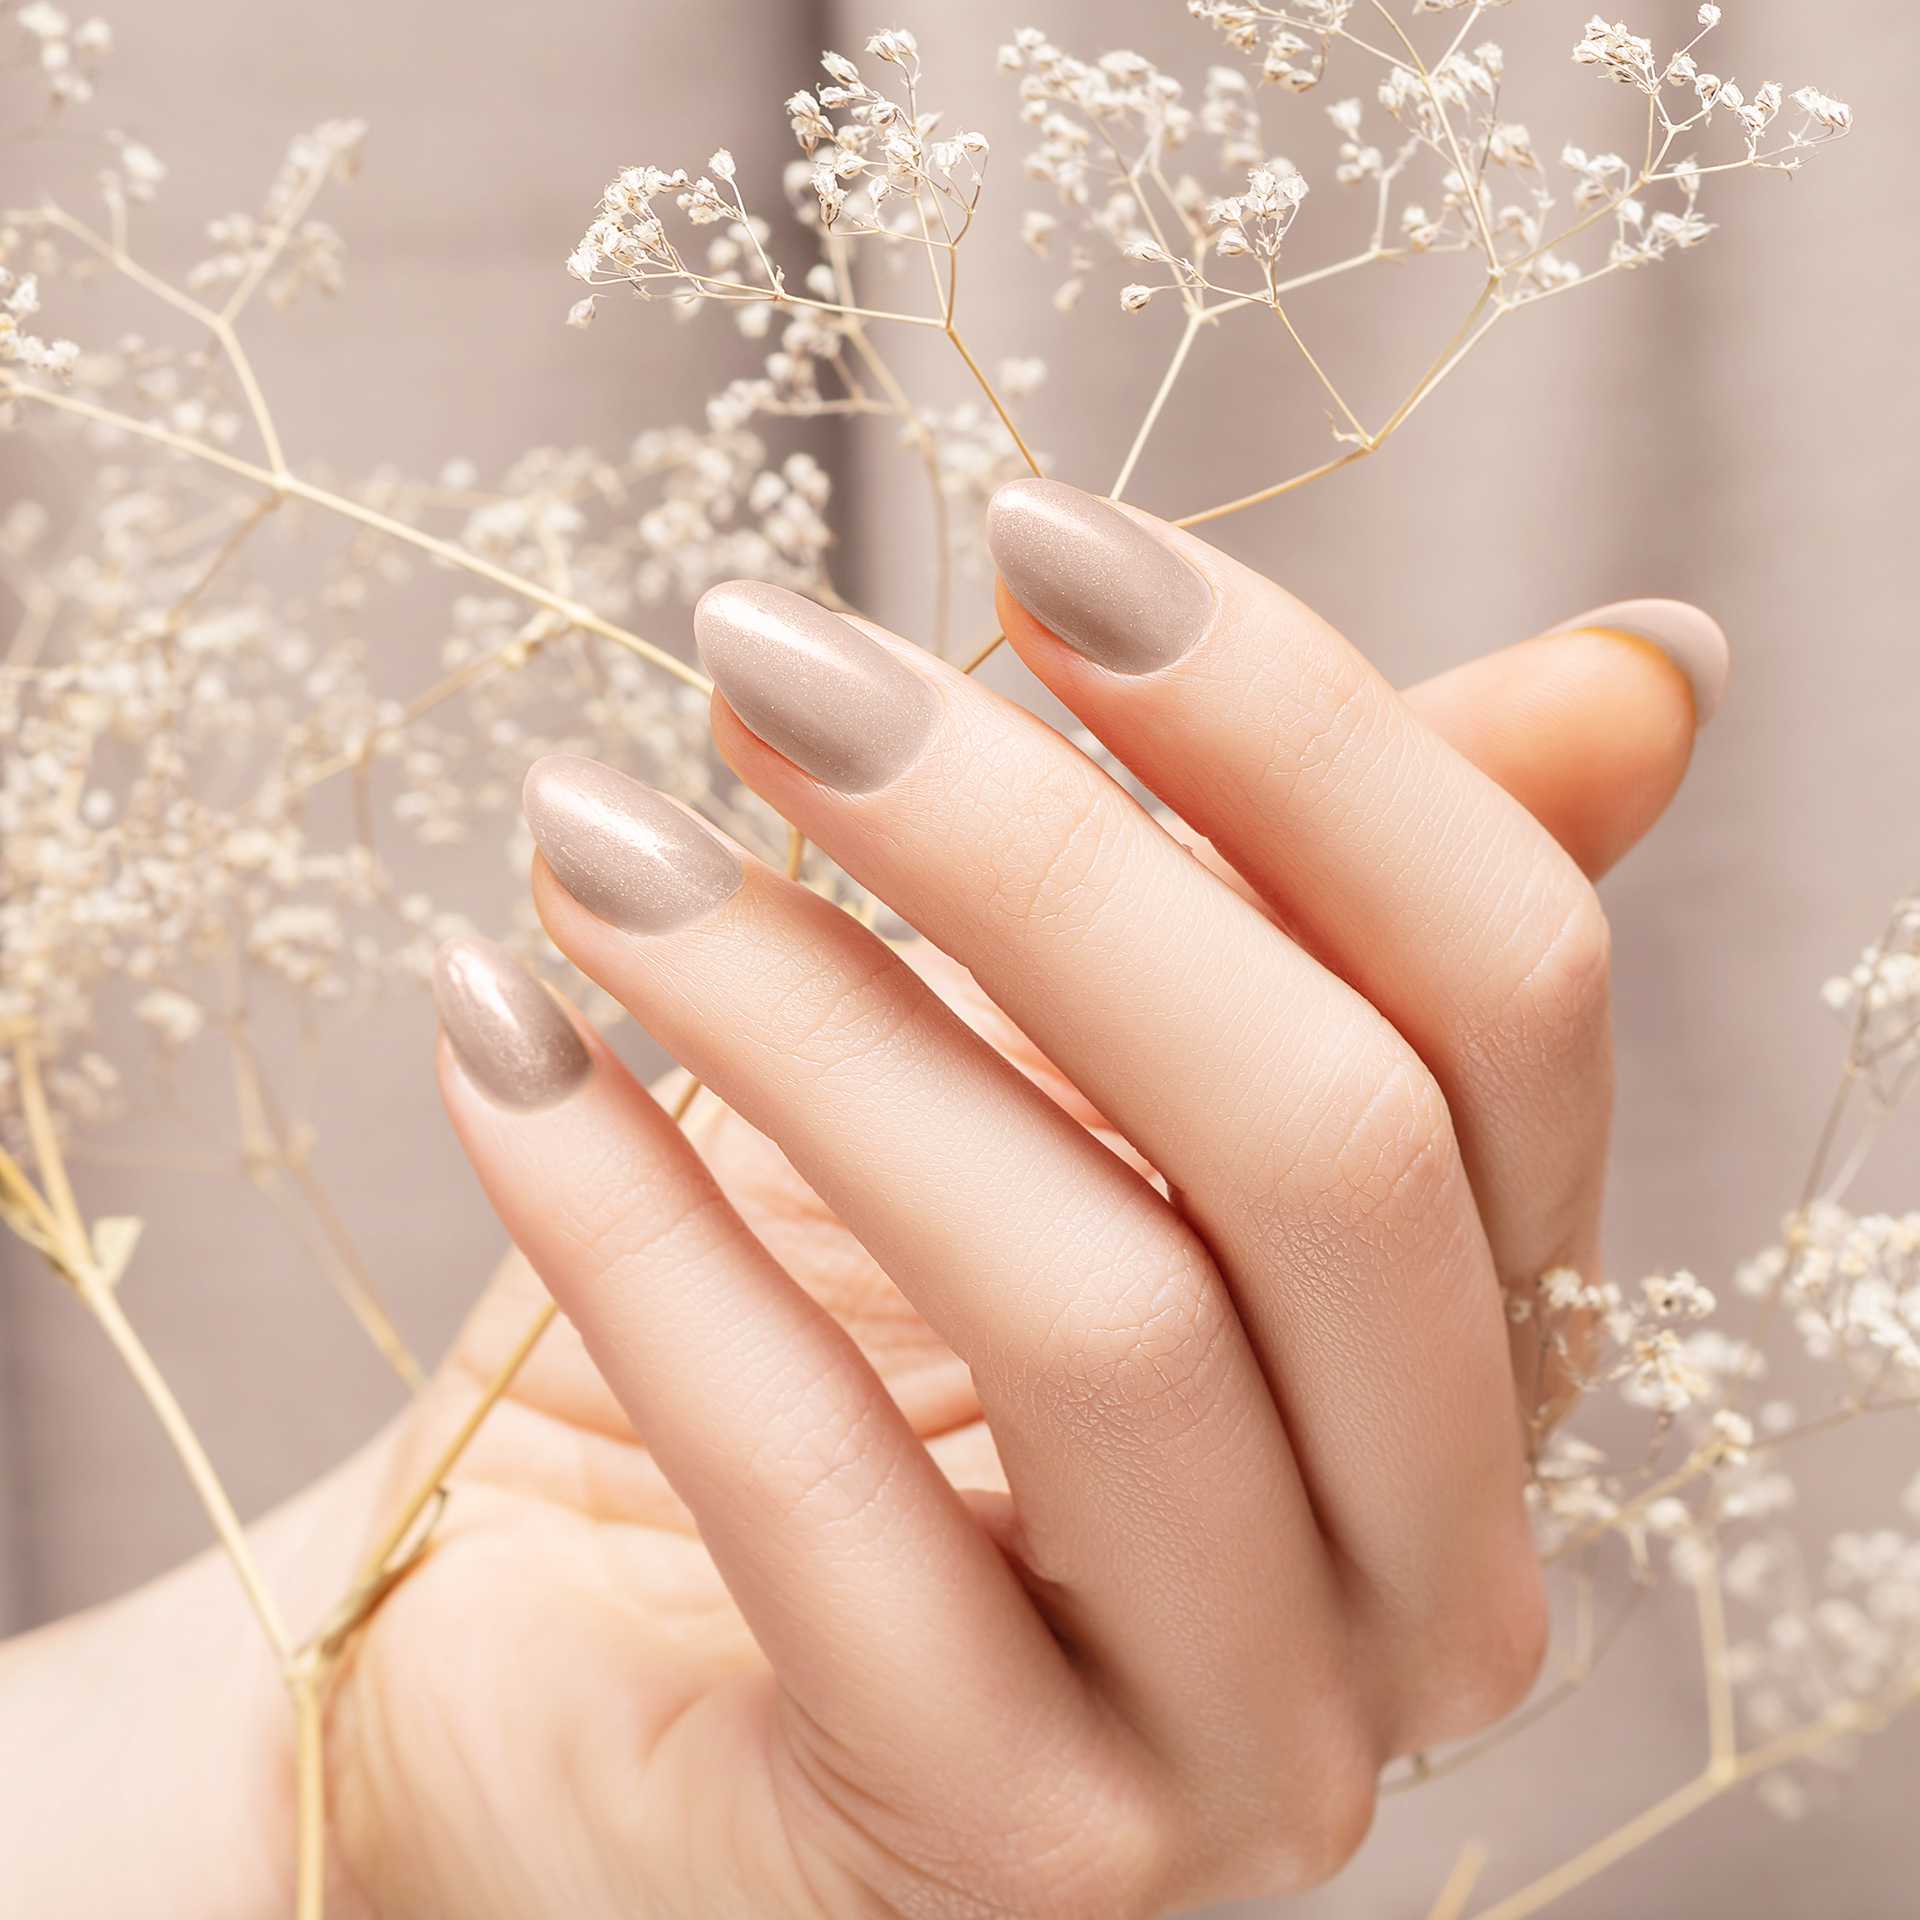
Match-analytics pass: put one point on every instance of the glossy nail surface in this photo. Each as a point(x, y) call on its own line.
point(1109, 587)
point(814, 687)
point(624, 851)
point(1689, 638)
point(507, 1031)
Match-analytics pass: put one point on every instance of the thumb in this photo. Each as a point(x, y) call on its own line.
point(1590, 727)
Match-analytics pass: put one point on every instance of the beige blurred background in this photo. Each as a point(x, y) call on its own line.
point(1734, 428)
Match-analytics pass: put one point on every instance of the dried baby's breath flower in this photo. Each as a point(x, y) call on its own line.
point(67, 52)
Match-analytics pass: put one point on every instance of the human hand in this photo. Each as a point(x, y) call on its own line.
point(1104, 1577)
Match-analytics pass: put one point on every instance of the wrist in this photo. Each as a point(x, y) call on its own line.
point(148, 1744)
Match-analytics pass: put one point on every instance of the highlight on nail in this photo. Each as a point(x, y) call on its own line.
point(1113, 589)
point(813, 686)
point(624, 850)
point(510, 1035)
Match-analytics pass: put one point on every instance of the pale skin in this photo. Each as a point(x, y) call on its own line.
point(1044, 1461)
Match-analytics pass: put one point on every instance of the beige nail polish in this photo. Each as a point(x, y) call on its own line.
point(1109, 587)
point(508, 1033)
point(817, 689)
point(625, 852)
point(1689, 638)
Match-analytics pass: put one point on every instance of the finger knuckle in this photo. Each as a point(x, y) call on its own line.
point(1140, 1354)
point(1054, 1833)
point(1389, 1148)
point(831, 1465)
point(621, 1214)
point(1574, 968)
point(827, 1008)
point(1322, 727)
point(1053, 860)
point(1328, 1814)
point(1473, 1667)
point(1561, 994)
point(1501, 1652)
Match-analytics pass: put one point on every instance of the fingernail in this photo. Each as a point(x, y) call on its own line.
point(626, 853)
point(832, 700)
point(1689, 638)
point(1106, 585)
point(507, 1031)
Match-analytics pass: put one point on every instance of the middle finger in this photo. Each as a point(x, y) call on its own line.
point(1304, 1137)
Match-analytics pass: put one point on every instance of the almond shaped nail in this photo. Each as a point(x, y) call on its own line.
point(813, 686)
point(622, 849)
point(1689, 638)
point(507, 1031)
point(1109, 587)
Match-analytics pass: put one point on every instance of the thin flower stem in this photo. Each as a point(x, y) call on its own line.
point(377, 1563)
point(1233, 303)
point(1469, 179)
point(1320, 374)
point(305, 1682)
point(1195, 318)
point(27, 1213)
point(572, 611)
point(532, 638)
point(274, 1152)
point(1709, 1785)
point(1279, 487)
point(1602, 1854)
point(1722, 1738)
point(741, 290)
point(1466, 27)
point(62, 1206)
point(220, 325)
point(104, 1304)
point(985, 654)
point(1460, 1883)
point(1469, 335)
point(922, 442)
point(270, 255)
point(993, 399)
point(242, 531)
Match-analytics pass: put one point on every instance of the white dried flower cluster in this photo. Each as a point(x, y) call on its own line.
point(1853, 1286)
point(1880, 996)
point(208, 719)
point(1808, 1658)
point(1644, 1346)
point(874, 165)
point(1628, 59)
point(1108, 129)
point(289, 250)
point(19, 346)
point(879, 165)
point(1291, 42)
point(67, 52)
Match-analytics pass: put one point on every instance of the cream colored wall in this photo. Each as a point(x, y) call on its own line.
point(1735, 428)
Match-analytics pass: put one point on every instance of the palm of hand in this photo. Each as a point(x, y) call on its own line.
point(560, 1708)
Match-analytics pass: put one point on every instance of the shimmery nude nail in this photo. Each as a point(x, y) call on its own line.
point(1689, 638)
point(625, 852)
point(507, 1031)
point(1109, 587)
point(814, 687)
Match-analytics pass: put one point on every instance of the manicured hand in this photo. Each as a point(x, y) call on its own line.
point(1099, 1569)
